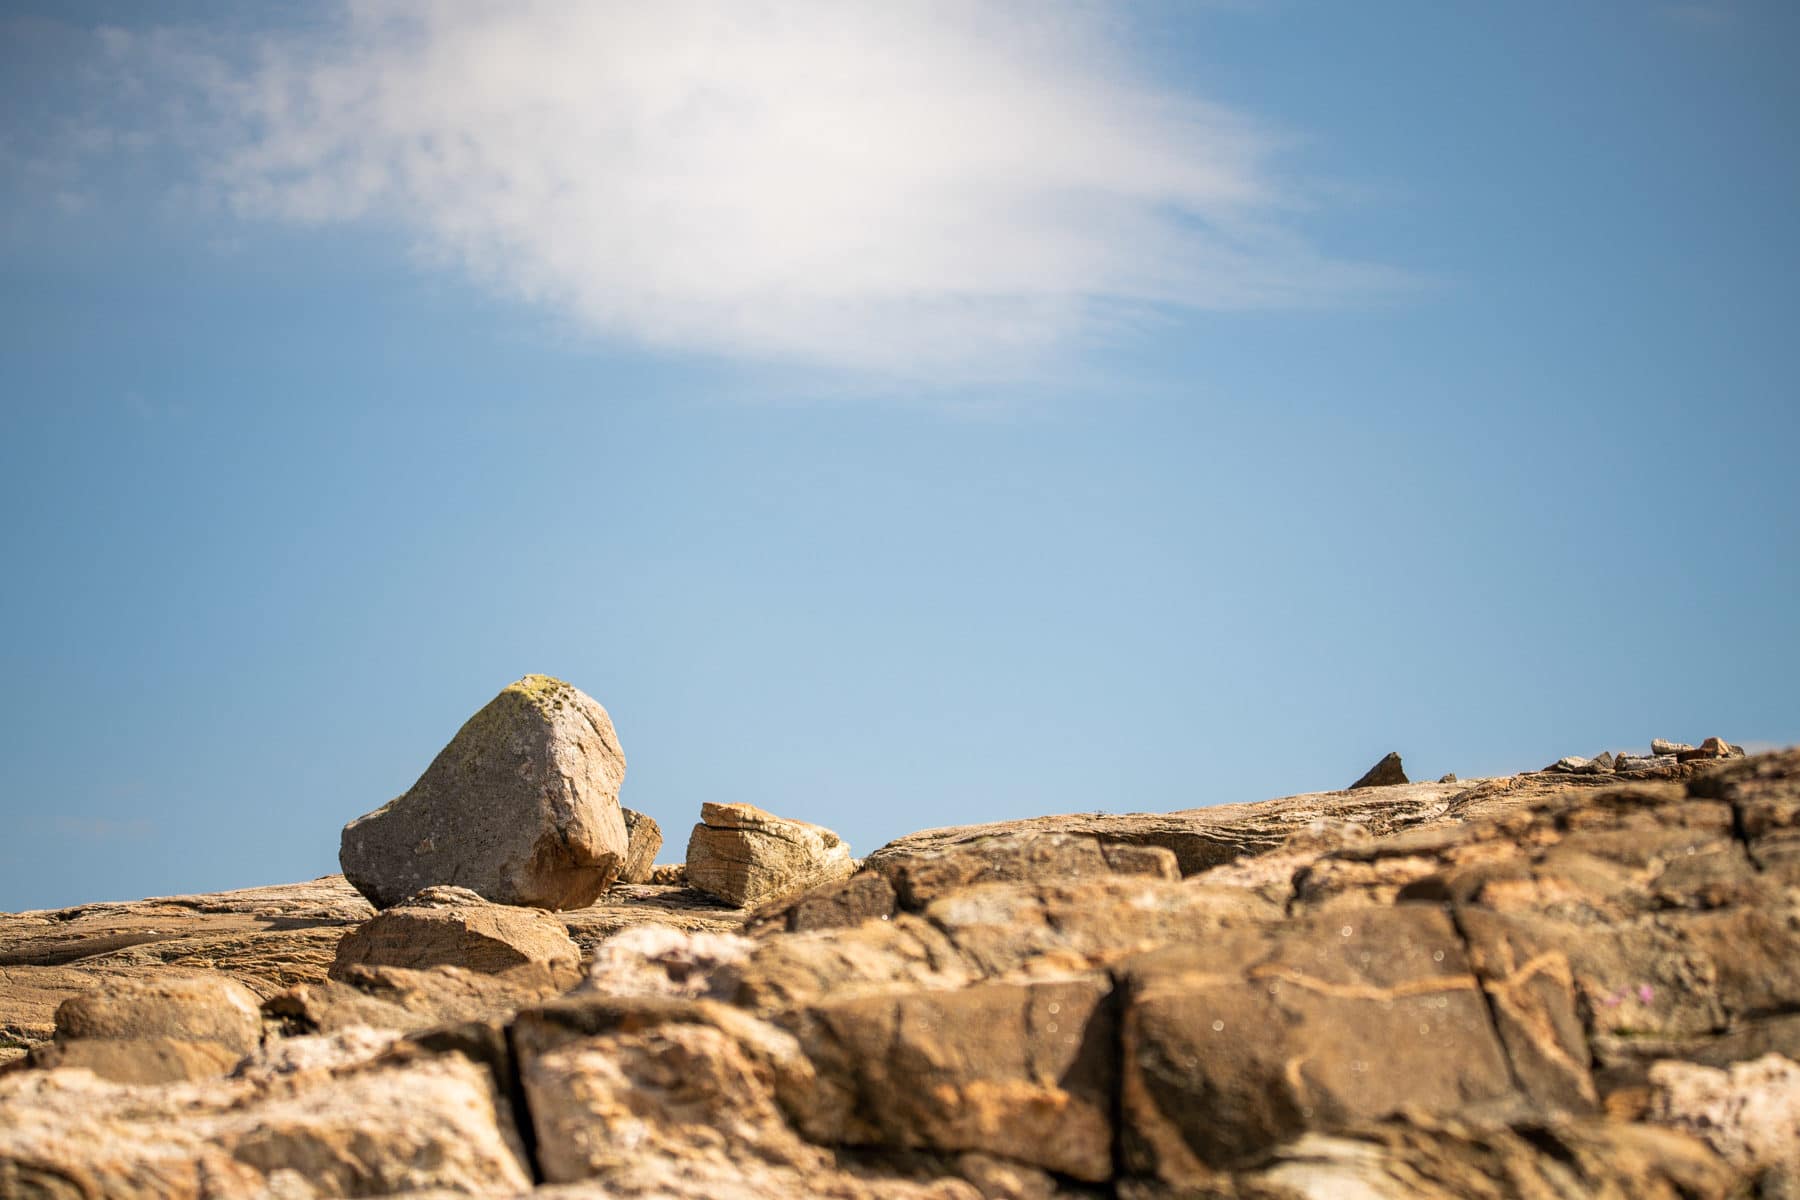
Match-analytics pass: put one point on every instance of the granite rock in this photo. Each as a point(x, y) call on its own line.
point(521, 807)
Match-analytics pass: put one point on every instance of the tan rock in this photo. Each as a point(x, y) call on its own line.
point(401, 998)
point(192, 1008)
point(454, 927)
point(644, 836)
point(145, 1060)
point(522, 807)
point(1022, 1070)
point(1749, 1114)
point(356, 1129)
point(746, 856)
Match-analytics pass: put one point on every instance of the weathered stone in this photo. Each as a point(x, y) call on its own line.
point(1236, 1044)
point(654, 960)
point(865, 896)
point(334, 1129)
point(1021, 856)
point(1202, 838)
point(746, 856)
point(190, 1008)
point(1427, 1158)
point(1659, 746)
point(1749, 1114)
point(1387, 773)
point(669, 874)
point(454, 927)
point(142, 1060)
point(644, 837)
point(1020, 1070)
point(521, 807)
point(402, 998)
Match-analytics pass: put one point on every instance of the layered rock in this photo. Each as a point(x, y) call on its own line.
point(1551, 984)
point(746, 856)
point(522, 807)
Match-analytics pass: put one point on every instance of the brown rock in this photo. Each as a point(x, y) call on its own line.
point(143, 1060)
point(521, 807)
point(1024, 1071)
point(191, 1008)
point(449, 926)
point(1202, 838)
point(644, 838)
point(401, 998)
point(333, 1128)
point(1234, 1045)
point(1386, 773)
point(746, 856)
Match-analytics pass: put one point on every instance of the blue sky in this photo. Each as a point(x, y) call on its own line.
point(895, 416)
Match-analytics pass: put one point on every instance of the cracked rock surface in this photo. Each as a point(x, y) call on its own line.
point(1546, 985)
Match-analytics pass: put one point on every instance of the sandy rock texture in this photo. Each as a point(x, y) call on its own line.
point(746, 856)
point(521, 807)
point(1552, 984)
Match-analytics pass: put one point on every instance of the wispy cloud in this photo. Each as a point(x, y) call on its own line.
point(103, 829)
point(951, 188)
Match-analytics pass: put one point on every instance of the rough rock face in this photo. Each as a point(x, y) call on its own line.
point(1551, 985)
point(521, 807)
point(450, 926)
point(746, 856)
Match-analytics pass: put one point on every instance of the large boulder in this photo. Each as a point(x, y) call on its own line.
point(522, 807)
point(746, 856)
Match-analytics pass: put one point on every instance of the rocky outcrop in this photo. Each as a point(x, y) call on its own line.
point(522, 807)
point(746, 856)
point(333, 1122)
point(1548, 984)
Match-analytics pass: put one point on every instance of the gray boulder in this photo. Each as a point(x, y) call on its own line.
point(522, 807)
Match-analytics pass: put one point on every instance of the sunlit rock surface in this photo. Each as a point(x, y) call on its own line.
point(1555, 984)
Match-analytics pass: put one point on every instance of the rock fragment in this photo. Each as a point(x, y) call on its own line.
point(746, 856)
point(1659, 746)
point(1387, 773)
point(644, 838)
point(521, 807)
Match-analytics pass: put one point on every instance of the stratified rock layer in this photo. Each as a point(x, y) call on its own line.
point(522, 807)
point(746, 856)
point(1550, 985)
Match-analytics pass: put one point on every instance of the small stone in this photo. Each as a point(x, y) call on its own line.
point(1572, 764)
point(1661, 746)
point(1603, 761)
point(522, 807)
point(669, 875)
point(1386, 773)
point(1712, 747)
point(645, 839)
point(1447, 777)
point(746, 856)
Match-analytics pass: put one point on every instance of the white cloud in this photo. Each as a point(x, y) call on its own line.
point(924, 188)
